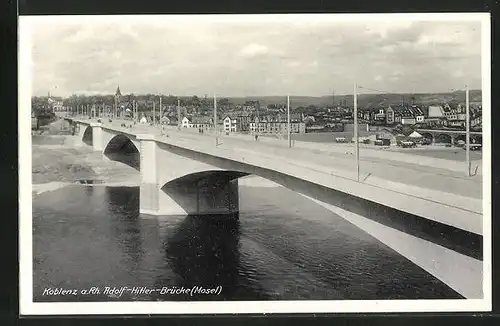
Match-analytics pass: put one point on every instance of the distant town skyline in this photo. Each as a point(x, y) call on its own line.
point(288, 56)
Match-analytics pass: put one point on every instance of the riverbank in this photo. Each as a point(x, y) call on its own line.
point(57, 163)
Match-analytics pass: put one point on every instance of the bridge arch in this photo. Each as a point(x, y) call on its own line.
point(444, 138)
point(457, 138)
point(428, 135)
point(121, 149)
point(213, 192)
point(87, 137)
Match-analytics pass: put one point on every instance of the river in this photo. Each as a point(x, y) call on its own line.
point(281, 247)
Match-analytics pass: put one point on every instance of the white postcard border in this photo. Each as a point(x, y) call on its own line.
point(28, 307)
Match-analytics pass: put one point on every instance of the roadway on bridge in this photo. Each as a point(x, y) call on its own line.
point(408, 174)
point(446, 187)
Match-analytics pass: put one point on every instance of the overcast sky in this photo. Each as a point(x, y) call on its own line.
point(296, 57)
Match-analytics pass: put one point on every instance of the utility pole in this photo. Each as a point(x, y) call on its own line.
point(178, 114)
point(288, 121)
point(467, 130)
point(153, 113)
point(161, 110)
point(356, 138)
point(258, 121)
point(215, 121)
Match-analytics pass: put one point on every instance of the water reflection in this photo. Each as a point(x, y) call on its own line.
point(125, 226)
point(291, 249)
point(123, 200)
point(204, 251)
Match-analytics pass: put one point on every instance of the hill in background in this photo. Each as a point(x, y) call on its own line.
point(364, 100)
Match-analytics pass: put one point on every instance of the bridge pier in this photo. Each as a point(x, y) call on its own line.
point(97, 137)
point(210, 193)
point(214, 195)
point(79, 132)
point(148, 188)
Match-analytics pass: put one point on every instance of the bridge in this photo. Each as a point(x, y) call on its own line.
point(450, 136)
point(185, 172)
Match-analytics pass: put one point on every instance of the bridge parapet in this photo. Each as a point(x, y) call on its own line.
point(164, 160)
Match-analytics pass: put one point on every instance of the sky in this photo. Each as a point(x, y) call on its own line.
point(233, 57)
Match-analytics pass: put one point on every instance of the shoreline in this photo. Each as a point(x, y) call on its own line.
point(40, 188)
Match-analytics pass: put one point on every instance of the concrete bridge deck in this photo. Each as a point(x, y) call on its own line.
point(437, 191)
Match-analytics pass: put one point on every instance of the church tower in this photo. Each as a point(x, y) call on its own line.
point(118, 94)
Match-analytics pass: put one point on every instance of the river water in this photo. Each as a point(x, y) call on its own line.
point(282, 246)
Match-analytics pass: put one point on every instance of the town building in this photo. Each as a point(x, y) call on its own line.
point(230, 124)
point(436, 111)
point(389, 116)
point(277, 124)
point(168, 120)
point(238, 120)
point(405, 114)
point(418, 113)
point(56, 104)
point(197, 122)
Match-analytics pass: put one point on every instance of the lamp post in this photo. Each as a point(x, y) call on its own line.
point(154, 120)
point(467, 130)
point(178, 114)
point(288, 122)
point(215, 121)
point(161, 111)
point(356, 138)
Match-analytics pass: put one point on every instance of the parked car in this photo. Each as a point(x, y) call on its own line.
point(426, 141)
point(383, 142)
point(408, 144)
point(473, 147)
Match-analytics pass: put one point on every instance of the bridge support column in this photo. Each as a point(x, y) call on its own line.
point(149, 188)
point(79, 133)
point(215, 195)
point(97, 137)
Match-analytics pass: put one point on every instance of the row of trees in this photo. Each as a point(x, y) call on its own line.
point(143, 98)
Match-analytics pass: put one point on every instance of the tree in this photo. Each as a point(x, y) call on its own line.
point(309, 121)
point(171, 100)
point(195, 101)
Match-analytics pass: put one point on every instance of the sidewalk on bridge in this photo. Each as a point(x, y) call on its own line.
point(367, 152)
point(427, 189)
point(452, 189)
point(448, 190)
point(447, 209)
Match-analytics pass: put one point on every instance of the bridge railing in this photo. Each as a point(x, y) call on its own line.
point(386, 170)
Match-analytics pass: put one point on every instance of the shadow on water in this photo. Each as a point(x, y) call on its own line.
point(123, 201)
point(464, 242)
point(126, 226)
point(205, 251)
point(105, 242)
